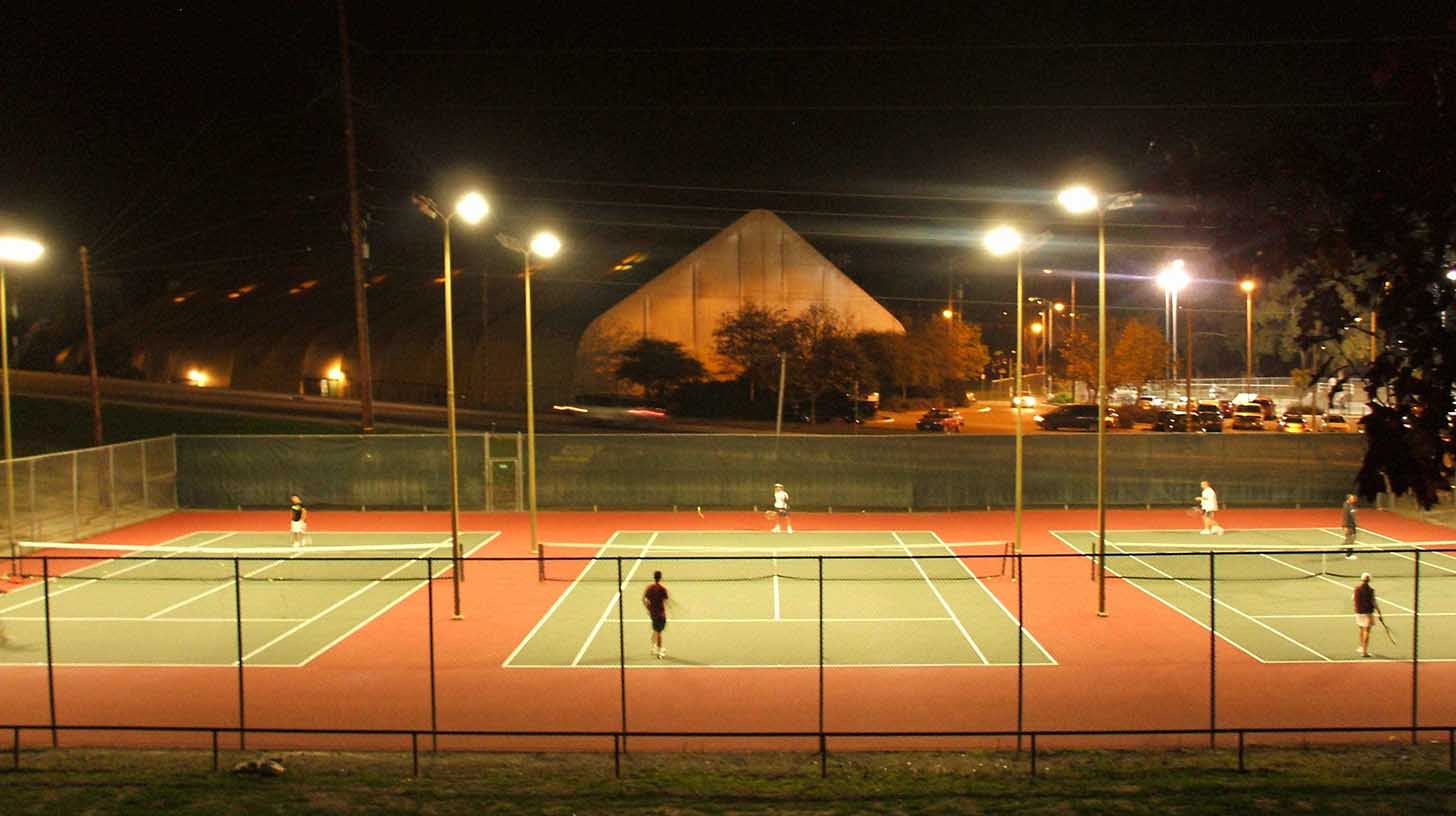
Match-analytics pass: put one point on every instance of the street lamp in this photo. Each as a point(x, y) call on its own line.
point(14, 249)
point(1248, 287)
point(473, 209)
point(1000, 242)
point(1080, 200)
point(1171, 279)
point(1049, 311)
point(543, 245)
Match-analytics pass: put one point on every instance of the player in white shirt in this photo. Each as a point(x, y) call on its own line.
point(1208, 503)
point(781, 508)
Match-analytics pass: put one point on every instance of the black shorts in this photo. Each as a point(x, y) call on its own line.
point(782, 511)
point(658, 624)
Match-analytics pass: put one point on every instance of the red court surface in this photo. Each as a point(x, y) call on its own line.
point(1143, 666)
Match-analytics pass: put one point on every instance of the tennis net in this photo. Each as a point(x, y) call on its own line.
point(1153, 561)
point(112, 562)
point(717, 564)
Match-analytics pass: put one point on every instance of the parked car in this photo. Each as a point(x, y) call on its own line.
point(1337, 423)
point(1248, 417)
point(1293, 422)
point(1210, 419)
point(1024, 401)
point(1267, 405)
point(1076, 416)
point(1174, 421)
point(940, 419)
point(1224, 407)
point(1146, 409)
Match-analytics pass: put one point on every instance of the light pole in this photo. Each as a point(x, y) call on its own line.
point(473, 208)
point(1171, 279)
point(544, 245)
point(1003, 241)
point(14, 249)
point(1080, 199)
point(1049, 311)
point(1248, 287)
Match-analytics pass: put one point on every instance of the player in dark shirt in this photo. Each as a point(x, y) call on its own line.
point(298, 522)
point(655, 600)
point(1347, 520)
point(1365, 610)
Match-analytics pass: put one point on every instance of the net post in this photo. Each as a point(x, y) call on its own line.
point(111, 480)
point(1416, 651)
point(622, 649)
point(45, 582)
point(1212, 654)
point(430, 625)
point(238, 608)
point(146, 498)
point(75, 496)
point(823, 744)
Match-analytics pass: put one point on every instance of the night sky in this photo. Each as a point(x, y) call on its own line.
point(200, 142)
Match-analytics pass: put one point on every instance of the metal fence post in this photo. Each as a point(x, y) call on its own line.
point(622, 649)
point(1416, 652)
point(1212, 653)
point(111, 480)
point(45, 582)
point(238, 608)
point(430, 624)
point(34, 516)
point(823, 741)
point(146, 496)
point(1020, 647)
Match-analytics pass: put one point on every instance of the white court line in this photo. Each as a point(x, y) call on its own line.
point(1406, 556)
point(1092, 534)
point(226, 582)
point(552, 611)
point(1330, 580)
point(776, 585)
point(941, 598)
point(613, 600)
point(1344, 615)
point(1223, 604)
point(449, 563)
point(1009, 616)
point(331, 607)
point(85, 582)
point(88, 619)
point(798, 620)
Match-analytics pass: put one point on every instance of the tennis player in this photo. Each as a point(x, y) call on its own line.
point(1347, 517)
point(298, 526)
point(1365, 610)
point(1208, 503)
point(655, 600)
point(781, 507)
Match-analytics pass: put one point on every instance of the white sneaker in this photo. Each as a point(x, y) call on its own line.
point(1205, 531)
point(774, 530)
point(1350, 557)
point(791, 531)
point(1218, 531)
point(661, 653)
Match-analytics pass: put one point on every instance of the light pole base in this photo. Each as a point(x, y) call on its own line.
point(457, 616)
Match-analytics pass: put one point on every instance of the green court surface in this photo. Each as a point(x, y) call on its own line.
point(1285, 595)
point(177, 604)
point(752, 599)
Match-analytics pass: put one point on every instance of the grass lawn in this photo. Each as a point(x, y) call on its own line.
point(1366, 780)
point(44, 425)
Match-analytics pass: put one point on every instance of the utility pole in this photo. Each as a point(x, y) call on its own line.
point(365, 375)
point(91, 348)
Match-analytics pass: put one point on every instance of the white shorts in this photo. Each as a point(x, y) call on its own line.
point(297, 526)
point(1364, 621)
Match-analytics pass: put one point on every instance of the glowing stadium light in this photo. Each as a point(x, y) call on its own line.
point(1002, 240)
point(473, 208)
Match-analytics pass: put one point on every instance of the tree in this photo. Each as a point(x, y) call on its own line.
point(1364, 219)
point(750, 340)
point(889, 357)
point(658, 366)
point(825, 356)
point(1137, 354)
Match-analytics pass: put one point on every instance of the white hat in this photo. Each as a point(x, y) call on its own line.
point(1364, 576)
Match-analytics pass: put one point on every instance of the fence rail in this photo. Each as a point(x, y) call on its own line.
point(61, 634)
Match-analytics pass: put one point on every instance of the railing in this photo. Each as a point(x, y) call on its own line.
point(1056, 575)
point(619, 738)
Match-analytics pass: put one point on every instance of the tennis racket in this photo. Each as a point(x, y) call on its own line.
point(1380, 617)
point(1194, 512)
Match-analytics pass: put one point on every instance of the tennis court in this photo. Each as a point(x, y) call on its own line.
point(1283, 595)
point(754, 599)
point(179, 603)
